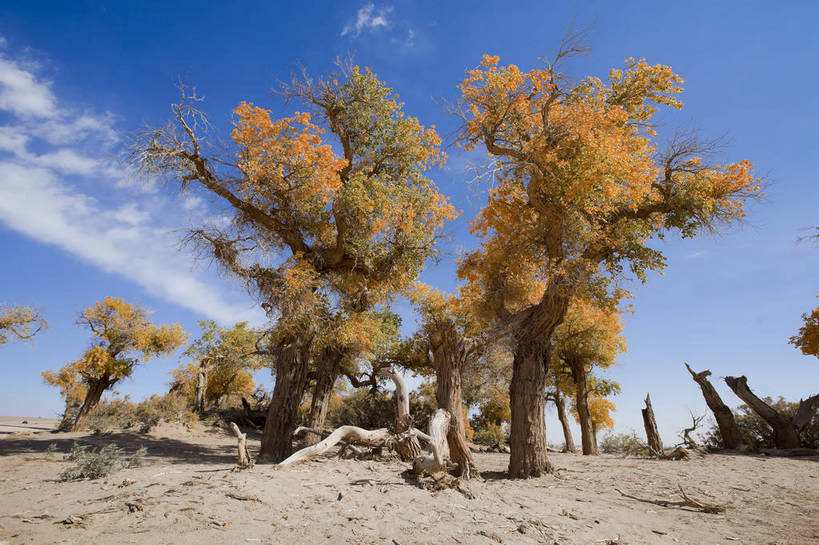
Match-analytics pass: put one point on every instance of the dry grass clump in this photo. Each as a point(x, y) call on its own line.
point(90, 465)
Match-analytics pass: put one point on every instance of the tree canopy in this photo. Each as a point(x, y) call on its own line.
point(19, 322)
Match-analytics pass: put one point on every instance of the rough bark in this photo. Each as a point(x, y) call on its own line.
point(243, 459)
point(92, 398)
point(560, 404)
point(655, 444)
point(349, 434)
point(434, 462)
point(449, 356)
point(587, 437)
point(291, 381)
point(728, 430)
point(805, 412)
point(326, 374)
point(527, 441)
point(786, 435)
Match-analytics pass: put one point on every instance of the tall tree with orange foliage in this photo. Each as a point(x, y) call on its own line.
point(123, 336)
point(581, 188)
point(311, 232)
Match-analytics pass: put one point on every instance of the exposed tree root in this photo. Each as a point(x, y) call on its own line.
point(687, 501)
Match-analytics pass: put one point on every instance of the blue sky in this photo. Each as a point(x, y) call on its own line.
point(77, 78)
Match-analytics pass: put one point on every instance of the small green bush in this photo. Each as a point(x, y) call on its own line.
point(94, 465)
point(491, 434)
point(624, 444)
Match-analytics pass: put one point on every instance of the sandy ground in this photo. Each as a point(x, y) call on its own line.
point(187, 493)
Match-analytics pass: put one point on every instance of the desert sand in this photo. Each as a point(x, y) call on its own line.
point(187, 493)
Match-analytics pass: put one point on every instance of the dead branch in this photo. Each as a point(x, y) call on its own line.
point(243, 497)
point(687, 501)
point(349, 434)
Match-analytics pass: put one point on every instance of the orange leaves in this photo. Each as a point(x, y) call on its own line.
point(807, 339)
point(22, 322)
point(122, 335)
point(286, 163)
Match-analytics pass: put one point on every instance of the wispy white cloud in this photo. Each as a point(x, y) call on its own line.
point(367, 18)
point(106, 228)
point(22, 94)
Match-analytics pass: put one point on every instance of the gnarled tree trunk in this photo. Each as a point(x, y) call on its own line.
point(407, 446)
point(581, 396)
point(449, 355)
point(785, 433)
point(439, 424)
point(291, 381)
point(527, 441)
point(655, 444)
point(560, 403)
point(92, 398)
point(728, 430)
point(327, 372)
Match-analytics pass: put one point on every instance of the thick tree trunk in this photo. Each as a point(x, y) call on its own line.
point(731, 438)
point(448, 359)
point(92, 398)
point(326, 375)
point(560, 403)
point(582, 403)
point(291, 381)
point(785, 433)
point(69, 416)
point(201, 386)
point(527, 440)
point(655, 444)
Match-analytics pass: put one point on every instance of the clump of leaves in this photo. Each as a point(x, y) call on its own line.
point(52, 449)
point(624, 444)
point(491, 434)
point(90, 465)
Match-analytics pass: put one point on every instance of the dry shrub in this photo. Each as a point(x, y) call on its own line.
point(124, 414)
point(95, 465)
point(624, 444)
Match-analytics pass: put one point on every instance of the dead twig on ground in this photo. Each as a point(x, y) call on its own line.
point(687, 501)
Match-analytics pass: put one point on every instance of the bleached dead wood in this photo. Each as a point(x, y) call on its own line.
point(243, 461)
point(349, 434)
point(435, 461)
point(405, 445)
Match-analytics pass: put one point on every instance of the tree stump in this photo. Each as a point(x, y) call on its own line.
point(655, 444)
point(243, 461)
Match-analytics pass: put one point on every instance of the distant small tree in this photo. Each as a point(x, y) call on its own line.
point(808, 338)
point(20, 322)
point(223, 361)
point(123, 336)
